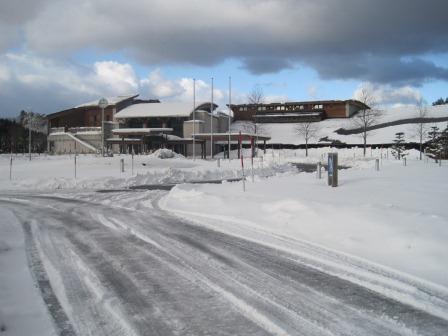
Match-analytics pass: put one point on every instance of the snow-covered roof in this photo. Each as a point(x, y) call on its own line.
point(168, 109)
point(110, 100)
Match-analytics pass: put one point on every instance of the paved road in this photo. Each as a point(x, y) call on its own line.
point(112, 271)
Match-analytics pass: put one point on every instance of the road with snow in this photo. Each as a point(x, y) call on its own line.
point(107, 269)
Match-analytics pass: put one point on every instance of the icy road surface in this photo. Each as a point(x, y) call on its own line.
point(112, 270)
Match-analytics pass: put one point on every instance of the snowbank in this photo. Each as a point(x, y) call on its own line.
point(164, 153)
point(286, 134)
point(95, 172)
point(396, 217)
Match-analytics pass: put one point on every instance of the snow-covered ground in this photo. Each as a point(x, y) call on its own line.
point(394, 220)
point(395, 217)
point(22, 310)
point(286, 134)
point(94, 172)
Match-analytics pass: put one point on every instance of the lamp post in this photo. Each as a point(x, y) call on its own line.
point(102, 104)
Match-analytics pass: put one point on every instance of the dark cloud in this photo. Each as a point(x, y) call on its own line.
point(412, 71)
point(264, 65)
point(358, 39)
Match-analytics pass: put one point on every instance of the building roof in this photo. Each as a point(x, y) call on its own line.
point(154, 110)
point(110, 100)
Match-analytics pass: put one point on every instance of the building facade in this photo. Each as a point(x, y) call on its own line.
point(292, 112)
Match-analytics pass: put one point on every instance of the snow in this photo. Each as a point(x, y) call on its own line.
point(110, 101)
point(147, 110)
point(286, 134)
point(94, 172)
point(22, 310)
point(164, 153)
point(396, 217)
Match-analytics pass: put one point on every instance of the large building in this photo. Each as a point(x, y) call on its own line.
point(140, 126)
point(177, 122)
point(292, 112)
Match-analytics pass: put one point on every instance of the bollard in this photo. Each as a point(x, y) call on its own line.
point(333, 169)
point(377, 164)
point(122, 165)
point(440, 161)
point(404, 161)
point(218, 162)
point(319, 170)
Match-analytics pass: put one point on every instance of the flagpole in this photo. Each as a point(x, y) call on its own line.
point(194, 119)
point(230, 110)
point(211, 125)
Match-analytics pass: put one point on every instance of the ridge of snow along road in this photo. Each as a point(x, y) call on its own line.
point(94, 172)
point(396, 217)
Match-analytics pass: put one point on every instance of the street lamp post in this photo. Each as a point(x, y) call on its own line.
point(102, 104)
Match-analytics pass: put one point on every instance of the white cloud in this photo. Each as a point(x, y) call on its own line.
point(48, 85)
point(180, 89)
point(116, 77)
point(385, 95)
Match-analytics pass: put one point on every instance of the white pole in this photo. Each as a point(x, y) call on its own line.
point(29, 134)
point(102, 131)
point(230, 110)
point(211, 125)
point(242, 169)
point(10, 168)
point(194, 119)
point(252, 167)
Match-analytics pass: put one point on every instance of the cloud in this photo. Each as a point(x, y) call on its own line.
point(356, 39)
point(385, 95)
point(44, 85)
point(179, 89)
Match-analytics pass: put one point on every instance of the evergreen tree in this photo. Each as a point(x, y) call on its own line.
point(433, 148)
point(440, 101)
point(398, 148)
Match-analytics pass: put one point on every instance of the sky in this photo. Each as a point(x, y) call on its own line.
point(55, 54)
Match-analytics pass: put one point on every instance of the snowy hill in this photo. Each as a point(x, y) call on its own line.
point(285, 133)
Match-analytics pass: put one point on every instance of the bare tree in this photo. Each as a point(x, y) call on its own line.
point(420, 128)
point(256, 97)
point(367, 116)
point(35, 122)
point(307, 130)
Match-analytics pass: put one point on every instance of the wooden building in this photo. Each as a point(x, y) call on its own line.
point(291, 112)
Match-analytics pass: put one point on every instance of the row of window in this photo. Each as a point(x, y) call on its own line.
point(283, 107)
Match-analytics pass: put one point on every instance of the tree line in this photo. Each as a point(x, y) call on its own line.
point(440, 101)
point(15, 132)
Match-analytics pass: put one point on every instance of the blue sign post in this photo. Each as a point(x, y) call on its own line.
point(333, 169)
